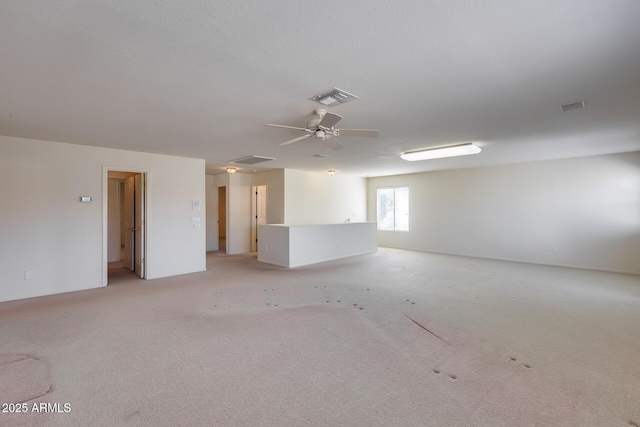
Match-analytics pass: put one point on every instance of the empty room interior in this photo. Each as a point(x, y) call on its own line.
point(320, 214)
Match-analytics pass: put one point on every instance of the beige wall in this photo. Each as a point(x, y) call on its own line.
point(582, 212)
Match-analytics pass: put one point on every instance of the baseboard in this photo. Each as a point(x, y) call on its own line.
point(577, 267)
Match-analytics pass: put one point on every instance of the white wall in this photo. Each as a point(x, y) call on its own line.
point(295, 246)
point(582, 212)
point(213, 183)
point(45, 229)
point(212, 221)
point(114, 214)
point(274, 180)
point(238, 204)
point(239, 214)
point(317, 198)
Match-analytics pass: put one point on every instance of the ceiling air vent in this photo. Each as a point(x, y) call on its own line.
point(574, 106)
point(334, 97)
point(251, 160)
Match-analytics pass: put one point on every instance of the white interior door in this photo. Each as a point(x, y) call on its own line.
point(139, 224)
point(262, 204)
point(129, 190)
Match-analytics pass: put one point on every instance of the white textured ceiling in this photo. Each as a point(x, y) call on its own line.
point(201, 78)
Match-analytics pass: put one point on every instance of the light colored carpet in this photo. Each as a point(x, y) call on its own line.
point(24, 378)
point(396, 338)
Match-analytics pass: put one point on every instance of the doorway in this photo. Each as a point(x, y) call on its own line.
point(126, 225)
point(259, 213)
point(222, 219)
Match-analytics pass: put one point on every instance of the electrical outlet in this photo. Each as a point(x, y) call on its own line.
point(556, 250)
point(28, 275)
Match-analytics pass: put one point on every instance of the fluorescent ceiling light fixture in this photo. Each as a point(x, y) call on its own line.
point(441, 152)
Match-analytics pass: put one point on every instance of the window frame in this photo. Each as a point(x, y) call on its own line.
point(394, 222)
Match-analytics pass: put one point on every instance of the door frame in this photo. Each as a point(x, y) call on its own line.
point(254, 214)
point(105, 216)
point(226, 216)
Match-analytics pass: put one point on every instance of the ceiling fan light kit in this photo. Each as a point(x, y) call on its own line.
point(441, 152)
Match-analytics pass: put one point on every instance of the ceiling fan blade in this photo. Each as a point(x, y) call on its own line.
point(329, 120)
point(334, 143)
point(289, 127)
point(300, 138)
point(368, 133)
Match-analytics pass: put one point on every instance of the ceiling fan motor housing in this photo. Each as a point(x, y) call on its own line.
point(313, 123)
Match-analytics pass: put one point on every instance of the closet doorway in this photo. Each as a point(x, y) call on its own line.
point(126, 224)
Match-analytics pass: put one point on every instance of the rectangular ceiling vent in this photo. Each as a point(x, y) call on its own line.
point(251, 160)
point(333, 97)
point(574, 106)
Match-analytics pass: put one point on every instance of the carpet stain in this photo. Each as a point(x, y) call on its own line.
point(526, 366)
point(435, 371)
point(513, 359)
point(453, 377)
point(426, 329)
point(631, 423)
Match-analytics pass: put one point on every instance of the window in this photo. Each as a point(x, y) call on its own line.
point(393, 208)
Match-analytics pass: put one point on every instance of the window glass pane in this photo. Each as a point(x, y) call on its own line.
point(401, 212)
point(385, 209)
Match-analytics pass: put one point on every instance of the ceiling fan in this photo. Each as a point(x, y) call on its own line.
point(323, 126)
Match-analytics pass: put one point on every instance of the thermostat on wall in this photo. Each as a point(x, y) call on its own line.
point(85, 199)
